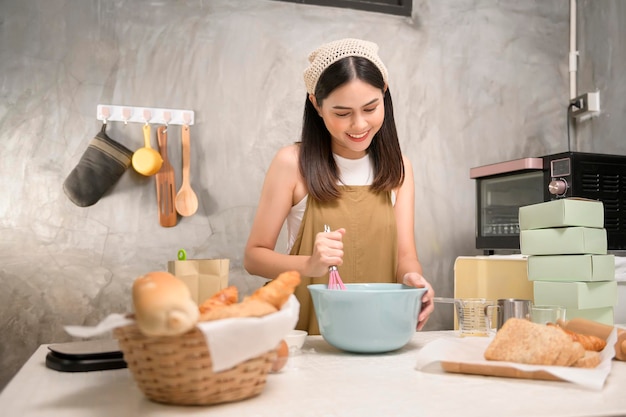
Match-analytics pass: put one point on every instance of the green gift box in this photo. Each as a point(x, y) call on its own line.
point(576, 295)
point(604, 315)
point(571, 268)
point(564, 241)
point(562, 213)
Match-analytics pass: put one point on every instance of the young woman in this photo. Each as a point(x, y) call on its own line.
point(347, 172)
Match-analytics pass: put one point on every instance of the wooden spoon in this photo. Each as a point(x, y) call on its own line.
point(186, 199)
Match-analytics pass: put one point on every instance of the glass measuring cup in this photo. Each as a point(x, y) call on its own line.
point(475, 315)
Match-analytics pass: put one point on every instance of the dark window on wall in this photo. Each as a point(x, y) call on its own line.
point(397, 7)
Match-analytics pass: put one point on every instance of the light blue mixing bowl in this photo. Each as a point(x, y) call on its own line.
point(367, 318)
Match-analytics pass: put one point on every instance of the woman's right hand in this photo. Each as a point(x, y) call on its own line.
point(327, 251)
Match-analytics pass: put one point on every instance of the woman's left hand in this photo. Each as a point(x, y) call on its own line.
point(414, 279)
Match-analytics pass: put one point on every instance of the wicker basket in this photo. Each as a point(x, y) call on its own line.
point(177, 370)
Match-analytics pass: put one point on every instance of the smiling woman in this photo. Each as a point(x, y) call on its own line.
point(346, 171)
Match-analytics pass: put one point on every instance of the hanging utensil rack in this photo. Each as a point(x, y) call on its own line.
point(152, 115)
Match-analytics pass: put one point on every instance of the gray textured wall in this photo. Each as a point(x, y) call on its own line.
point(474, 82)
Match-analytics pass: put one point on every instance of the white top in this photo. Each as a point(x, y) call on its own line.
point(322, 381)
point(351, 172)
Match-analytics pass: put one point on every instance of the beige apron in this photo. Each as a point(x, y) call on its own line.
point(370, 244)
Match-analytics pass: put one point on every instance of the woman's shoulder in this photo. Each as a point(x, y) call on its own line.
point(285, 171)
point(287, 157)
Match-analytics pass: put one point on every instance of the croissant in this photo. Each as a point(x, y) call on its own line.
point(588, 341)
point(277, 291)
point(223, 298)
point(247, 308)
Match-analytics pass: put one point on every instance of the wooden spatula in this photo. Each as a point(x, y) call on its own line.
point(165, 184)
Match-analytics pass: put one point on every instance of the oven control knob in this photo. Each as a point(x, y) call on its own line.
point(557, 187)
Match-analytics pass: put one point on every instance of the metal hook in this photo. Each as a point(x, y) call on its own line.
point(104, 113)
point(126, 113)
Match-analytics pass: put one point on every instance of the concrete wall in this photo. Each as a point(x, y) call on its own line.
point(473, 82)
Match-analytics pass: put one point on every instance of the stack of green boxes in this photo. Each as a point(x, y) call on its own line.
point(566, 245)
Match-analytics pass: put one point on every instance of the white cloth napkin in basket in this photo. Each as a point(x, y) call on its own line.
point(230, 341)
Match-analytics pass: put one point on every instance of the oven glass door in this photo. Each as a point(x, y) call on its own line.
point(499, 199)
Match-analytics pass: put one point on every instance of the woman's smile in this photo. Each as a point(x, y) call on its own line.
point(358, 137)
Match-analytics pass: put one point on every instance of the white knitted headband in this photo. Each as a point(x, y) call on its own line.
point(331, 52)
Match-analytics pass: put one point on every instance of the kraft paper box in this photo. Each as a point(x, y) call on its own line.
point(562, 213)
point(571, 268)
point(576, 295)
point(564, 241)
point(204, 277)
point(491, 277)
point(604, 315)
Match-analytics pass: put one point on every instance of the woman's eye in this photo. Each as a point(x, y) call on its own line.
point(342, 114)
point(373, 109)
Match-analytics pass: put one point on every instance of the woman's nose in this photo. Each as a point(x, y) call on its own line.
point(358, 121)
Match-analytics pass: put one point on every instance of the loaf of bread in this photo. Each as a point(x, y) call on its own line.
point(591, 359)
point(163, 305)
point(522, 341)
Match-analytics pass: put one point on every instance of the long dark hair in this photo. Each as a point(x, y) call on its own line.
point(317, 165)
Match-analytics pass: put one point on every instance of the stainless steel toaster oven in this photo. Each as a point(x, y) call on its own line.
point(502, 188)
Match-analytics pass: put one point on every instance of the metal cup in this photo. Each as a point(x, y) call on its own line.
point(512, 307)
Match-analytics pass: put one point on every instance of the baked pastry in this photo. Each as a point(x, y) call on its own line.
point(590, 360)
point(589, 342)
point(522, 341)
point(163, 305)
point(247, 308)
point(278, 290)
point(222, 298)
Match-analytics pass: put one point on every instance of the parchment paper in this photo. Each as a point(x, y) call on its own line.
point(471, 350)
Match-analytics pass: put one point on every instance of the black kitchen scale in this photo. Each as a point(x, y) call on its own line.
point(85, 356)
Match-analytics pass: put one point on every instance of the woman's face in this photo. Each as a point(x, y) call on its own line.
point(352, 113)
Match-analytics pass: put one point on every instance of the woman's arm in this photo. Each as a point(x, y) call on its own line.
point(283, 187)
point(409, 268)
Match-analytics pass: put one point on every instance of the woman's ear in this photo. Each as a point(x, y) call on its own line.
point(313, 101)
point(385, 88)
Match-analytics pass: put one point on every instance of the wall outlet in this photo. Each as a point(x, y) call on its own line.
point(586, 104)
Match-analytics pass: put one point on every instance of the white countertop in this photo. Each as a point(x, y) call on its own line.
point(322, 382)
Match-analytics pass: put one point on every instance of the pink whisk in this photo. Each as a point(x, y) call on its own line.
point(334, 280)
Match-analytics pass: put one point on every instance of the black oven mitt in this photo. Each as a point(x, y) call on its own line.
point(102, 164)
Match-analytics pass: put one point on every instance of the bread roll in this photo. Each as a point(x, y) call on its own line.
point(163, 305)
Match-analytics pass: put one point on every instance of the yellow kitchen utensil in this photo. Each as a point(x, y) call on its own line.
point(186, 199)
point(146, 160)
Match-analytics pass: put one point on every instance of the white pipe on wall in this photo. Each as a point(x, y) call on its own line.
point(573, 53)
